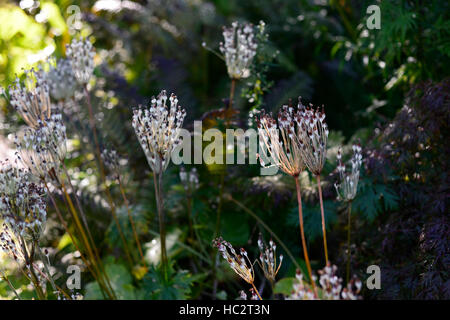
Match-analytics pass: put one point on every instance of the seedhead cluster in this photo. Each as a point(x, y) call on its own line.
point(268, 259)
point(81, 55)
point(31, 98)
point(61, 80)
point(239, 48)
point(158, 130)
point(22, 205)
point(301, 290)
point(111, 160)
point(281, 141)
point(189, 179)
point(313, 136)
point(346, 190)
point(332, 287)
point(240, 263)
point(43, 149)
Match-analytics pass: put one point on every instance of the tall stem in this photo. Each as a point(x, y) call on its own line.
point(162, 230)
point(324, 230)
point(232, 89)
point(130, 218)
point(256, 290)
point(302, 233)
point(189, 209)
point(3, 274)
point(349, 214)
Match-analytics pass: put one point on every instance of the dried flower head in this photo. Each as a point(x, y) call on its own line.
point(158, 130)
point(268, 259)
point(31, 98)
point(281, 141)
point(351, 292)
point(301, 290)
point(22, 204)
point(239, 48)
point(111, 160)
point(81, 55)
point(313, 136)
point(189, 179)
point(61, 80)
point(332, 288)
point(346, 190)
point(43, 149)
point(240, 263)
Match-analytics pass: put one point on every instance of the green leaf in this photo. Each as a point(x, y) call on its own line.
point(121, 282)
point(176, 287)
point(284, 286)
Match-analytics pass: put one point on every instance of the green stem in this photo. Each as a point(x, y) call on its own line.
point(157, 179)
point(3, 274)
point(348, 240)
point(324, 230)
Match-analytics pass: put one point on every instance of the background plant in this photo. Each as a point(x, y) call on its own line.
point(326, 55)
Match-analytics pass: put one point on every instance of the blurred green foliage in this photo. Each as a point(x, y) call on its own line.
point(320, 50)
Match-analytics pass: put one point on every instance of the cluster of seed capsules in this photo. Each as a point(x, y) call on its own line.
point(43, 149)
point(239, 49)
point(61, 79)
point(348, 185)
point(300, 290)
point(158, 130)
point(81, 54)
point(189, 179)
point(299, 138)
point(240, 263)
point(31, 99)
point(111, 160)
point(268, 259)
point(332, 288)
point(22, 204)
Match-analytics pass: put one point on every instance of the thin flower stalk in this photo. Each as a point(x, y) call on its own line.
point(6, 279)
